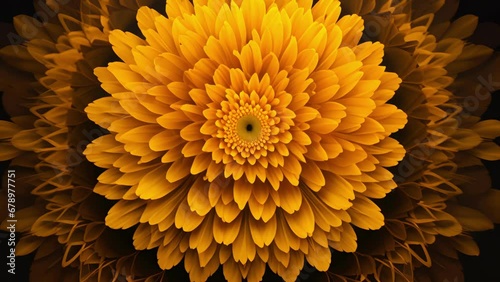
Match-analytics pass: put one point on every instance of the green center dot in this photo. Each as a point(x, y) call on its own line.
point(248, 128)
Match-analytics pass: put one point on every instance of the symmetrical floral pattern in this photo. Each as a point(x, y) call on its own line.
point(244, 139)
point(246, 133)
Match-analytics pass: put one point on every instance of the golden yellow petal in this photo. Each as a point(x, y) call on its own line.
point(290, 273)
point(142, 236)
point(264, 211)
point(125, 214)
point(292, 170)
point(173, 154)
point(313, 176)
point(285, 238)
point(462, 28)
point(225, 233)
point(242, 191)
point(256, 271)
point(146, 18)
point(8, 152)
point(170, 66)
point(337, 192)
point(8, 129)
point(197, 197)
point(154, 185)
point(323, 215)
point(179, 169)
point(27, 140)
point(138, 111)
point(232, 271)
point(170, 255)
point(263, 233)
point(301, 222)
point(174, 120)
point(466, 245)
point(123, 42)
point(178, 8)
point(134, 135)
point(187, 219)
point(244, 248)
point(200, 162)
point(344, 241)
point(365, 214)
point(27, 244)
point(201, 238)
point(319, 257)
point(209, 258)
point(290, 197)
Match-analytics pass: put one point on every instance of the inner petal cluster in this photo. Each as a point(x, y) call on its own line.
point(247, 123)
point(247, 126)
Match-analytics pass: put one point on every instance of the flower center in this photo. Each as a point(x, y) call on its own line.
point(246, 129)
point(249, 128)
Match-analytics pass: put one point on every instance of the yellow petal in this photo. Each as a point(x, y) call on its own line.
point(244, 248)
point(201, 238)
point(319, 257)
point(462, 28)
point(186, 219)
point(365, 214)
point(301, 222)
point(337, 192)
point(170, 255)
point(227, 212)
point(285, 238)
point(125, 214)
point(197, 197)
point(179, 169)
point(178, 8)
point(290, 197)
point(242, 191)
point(226, 233)
point(347, 239)
point(154, 185)
point(263, 233)
point(200, 163)
point(123, 42)
point(313, 176)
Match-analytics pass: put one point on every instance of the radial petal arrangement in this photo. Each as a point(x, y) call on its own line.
point(249, 140)
point(246, 133)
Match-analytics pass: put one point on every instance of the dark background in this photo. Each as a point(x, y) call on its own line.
point(483, 268)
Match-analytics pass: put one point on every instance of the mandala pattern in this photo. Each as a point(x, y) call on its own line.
point(251, 139)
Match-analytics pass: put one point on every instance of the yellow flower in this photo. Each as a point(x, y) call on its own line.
point(244, 134)
point(248, 137)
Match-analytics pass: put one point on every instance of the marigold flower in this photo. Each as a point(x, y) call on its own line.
point(244, 134)
point(252, 138)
